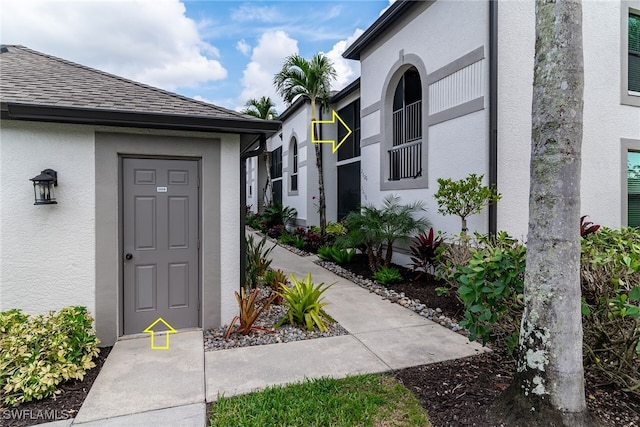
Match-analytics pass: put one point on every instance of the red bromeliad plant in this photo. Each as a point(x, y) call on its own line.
point(424, 251)
point(250, 310)
point(587, 227)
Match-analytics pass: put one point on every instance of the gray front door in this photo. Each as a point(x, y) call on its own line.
point(160, 243)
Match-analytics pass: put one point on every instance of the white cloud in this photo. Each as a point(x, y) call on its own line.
point(346, 69)
point(243, 47)
point(253, 13)
point(154, 43)
point(266, 61)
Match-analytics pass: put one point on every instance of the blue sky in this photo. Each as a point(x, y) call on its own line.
point(218, 51)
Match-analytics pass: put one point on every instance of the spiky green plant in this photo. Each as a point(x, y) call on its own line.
point(305, 304)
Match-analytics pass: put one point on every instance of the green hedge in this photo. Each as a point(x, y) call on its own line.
point(38, 352)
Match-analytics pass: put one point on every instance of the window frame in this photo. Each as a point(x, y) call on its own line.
point(627, 97)
point(403, 108)
point(404, 62)
point(293, 167)
point(628, 145)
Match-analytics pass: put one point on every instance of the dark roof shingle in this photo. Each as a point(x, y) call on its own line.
point(33, 78)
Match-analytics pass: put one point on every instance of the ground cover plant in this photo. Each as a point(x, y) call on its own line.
point(367, 400)
point(38, 352)
point(304, 302)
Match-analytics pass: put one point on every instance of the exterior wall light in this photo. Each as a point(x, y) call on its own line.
point(43, 187)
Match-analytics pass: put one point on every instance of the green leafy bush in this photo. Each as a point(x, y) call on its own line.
point(305, 304)
point(610, 271)
point(41, 351)
point(387, 275)
point(336, 254)
point(286, 239)
point(257, 260)
point(334, 229)
point(491, 286)
point(456, 251)
point(464, 197)
point(276, 214)
point(377, 229)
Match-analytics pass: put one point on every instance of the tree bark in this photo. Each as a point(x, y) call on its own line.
point(322, 206)
point(548, 387)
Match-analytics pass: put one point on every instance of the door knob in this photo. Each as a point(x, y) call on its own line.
point(128, 257)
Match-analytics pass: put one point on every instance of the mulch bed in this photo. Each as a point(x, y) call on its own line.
point(60, 407)
point(460, 392)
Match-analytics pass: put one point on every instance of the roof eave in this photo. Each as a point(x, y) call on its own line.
point(91, 116)
point(346, 91)
point(391, 15)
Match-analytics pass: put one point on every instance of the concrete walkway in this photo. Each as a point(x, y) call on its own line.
point(138, 386)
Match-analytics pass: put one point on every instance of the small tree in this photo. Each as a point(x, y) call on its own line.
point(464, 197)
point(373, 228)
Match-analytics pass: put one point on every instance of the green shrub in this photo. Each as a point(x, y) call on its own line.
point(374, 229)
point(334, 229)
point(41, 351)
point(387, 275)
point(299, 242)
point(276, 214)
point(451, 254)
point(336, 254)
point(305, 304)
point(464, 197)
point(286, 239)
point(491, 286)
point(257, 260)
point(610, 271)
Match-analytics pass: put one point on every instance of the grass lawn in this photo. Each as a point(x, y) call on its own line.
point(365, 400)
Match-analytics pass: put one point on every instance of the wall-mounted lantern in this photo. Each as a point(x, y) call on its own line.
point(43, 187)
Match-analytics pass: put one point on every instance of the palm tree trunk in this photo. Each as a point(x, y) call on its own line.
point(548, 387)
point(322, 206)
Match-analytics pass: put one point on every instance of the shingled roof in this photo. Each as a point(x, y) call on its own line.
point(34, 85)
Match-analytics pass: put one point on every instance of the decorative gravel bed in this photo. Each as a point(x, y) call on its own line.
point(434, 314)
point(214, 338)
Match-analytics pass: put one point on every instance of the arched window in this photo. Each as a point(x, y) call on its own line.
point(405, 156)
point(294, 165)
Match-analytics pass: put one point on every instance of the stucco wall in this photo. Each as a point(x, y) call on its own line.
point(47, 257)
point(229, 229)
point(438, 35)
point(606, 121)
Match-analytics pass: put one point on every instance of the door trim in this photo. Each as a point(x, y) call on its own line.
point(120, 255)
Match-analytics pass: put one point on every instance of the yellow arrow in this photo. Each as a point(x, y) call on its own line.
point(335, 146)
point(150, 330)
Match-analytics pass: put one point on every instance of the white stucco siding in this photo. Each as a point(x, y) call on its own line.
point(47, 253)
point(606, 121)
point(442, 33)
point(456, 147)
point(229, 226)
point(297, 125)
point(516, 40)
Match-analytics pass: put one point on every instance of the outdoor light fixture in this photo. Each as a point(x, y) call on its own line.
point(43, 187)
